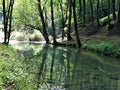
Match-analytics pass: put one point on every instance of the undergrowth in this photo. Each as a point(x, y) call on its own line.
point(13, 72)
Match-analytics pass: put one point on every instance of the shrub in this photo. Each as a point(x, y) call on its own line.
point(18, 36)
point(36, 36)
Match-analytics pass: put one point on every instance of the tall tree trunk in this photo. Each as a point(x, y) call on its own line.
point(67, 7)
point(46, 18)
point(118, 12)
point(98, 22)
point(108, 14)
point(103, 10)
point(45, 34)
point(75, 25)
point(80, 8)
point(4, 20)
point(113, 6)
point(84, 12)
point(7, 16)
point(69, 25)
point(53, 25)
point(10, 19)
point(91, 7)
point(63, 21)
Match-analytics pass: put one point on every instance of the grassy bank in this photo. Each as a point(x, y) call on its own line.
point(13, 71)
point(107, 46)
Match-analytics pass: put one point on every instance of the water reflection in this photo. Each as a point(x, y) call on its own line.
point(42, 66)
point(57, 68)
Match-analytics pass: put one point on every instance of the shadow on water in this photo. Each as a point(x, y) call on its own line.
point(57, 68)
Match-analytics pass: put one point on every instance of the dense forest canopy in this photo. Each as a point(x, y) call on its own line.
point(57, 18)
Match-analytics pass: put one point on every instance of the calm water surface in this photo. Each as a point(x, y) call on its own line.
point(58, 68)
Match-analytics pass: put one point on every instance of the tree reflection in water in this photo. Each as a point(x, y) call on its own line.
point(57, 68)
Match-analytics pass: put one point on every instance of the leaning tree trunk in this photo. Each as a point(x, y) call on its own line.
point(53, 25)
point(75, 25)
point(42, 64)
point(45, 34)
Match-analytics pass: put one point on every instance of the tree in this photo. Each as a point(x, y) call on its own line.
point(108, 14)
point(10, 19)
point(80, 8)
point(113, 7)
point(7, 19)
point(45, 34)
point(91, 8)
point(118, 12)
point(69, 24)
point(75, 25)
point(4, 20)
point(98, 22)
point(84, 12)
point(53, 25)
point(63, 21)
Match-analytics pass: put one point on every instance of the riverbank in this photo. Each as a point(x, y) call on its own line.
point(106, 45)
point(13, 70)
point(7, 64)
point(109, 46)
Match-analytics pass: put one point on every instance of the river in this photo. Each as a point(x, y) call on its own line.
point(64, 68)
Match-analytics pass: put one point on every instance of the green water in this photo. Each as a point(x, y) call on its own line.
point(58, 68)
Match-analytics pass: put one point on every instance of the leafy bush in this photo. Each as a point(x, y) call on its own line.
point(13, 73)
point(36, 36)
point(18, 36)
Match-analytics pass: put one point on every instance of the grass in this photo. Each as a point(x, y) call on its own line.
point(13, 72)
point(106, 47)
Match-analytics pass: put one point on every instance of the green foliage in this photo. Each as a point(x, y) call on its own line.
point(13, 72)
point(35, 36)
point(103, 47)
point(25, 13)
point(66, 28)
